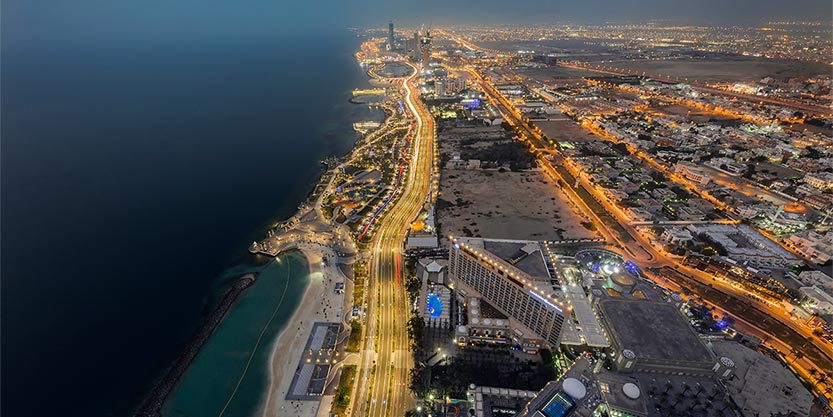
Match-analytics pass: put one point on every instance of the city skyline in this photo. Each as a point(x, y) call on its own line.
point(417, 209)
point(159, 21)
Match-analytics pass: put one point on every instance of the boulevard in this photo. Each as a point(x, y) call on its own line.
point(386, 360)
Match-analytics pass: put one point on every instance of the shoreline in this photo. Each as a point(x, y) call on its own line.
point(295, 320)
point(305, 315)
point(288, 346)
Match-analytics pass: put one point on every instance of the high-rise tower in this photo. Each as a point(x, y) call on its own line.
point(390, 36)
point(426, 50)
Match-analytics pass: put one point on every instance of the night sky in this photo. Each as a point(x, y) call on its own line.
point(203, 20)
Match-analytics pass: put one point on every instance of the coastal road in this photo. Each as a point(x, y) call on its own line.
point(386, 358)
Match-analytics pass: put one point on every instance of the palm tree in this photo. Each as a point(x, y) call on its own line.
point(823, 378)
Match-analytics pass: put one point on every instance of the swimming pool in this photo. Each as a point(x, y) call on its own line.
point(435, 305)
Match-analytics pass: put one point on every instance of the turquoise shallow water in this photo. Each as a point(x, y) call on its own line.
point(234, 355)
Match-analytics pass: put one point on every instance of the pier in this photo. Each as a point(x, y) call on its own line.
point(369, 92)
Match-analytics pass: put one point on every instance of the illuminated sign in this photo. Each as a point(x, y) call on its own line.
point(547, 302)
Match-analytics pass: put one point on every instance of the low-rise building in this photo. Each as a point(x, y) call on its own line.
point(805, 190)
point(639, 214)
point(820, 298)
point(812, 246)
point(676, 236)
point(820, 180)
point(810, 278)
point(496, 401)
point(653, 337)
point(821, 201)
point(686, 213)
point(727, 165)
point(432, 270)
point(745, 245)
point(692, 173)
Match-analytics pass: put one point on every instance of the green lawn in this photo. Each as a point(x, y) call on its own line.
point(355, 339)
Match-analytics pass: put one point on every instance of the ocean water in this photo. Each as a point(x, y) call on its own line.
point(133, 179)
point(230, 375)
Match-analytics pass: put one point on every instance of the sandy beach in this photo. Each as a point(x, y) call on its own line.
point(320, 304)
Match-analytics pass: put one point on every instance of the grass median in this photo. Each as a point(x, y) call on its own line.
point(345, 388)
point(355, 339)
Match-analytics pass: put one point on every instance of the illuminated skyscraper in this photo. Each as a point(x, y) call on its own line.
point(426, 50)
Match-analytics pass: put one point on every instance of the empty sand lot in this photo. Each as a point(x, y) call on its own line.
point(506, 205)
point(728, 68)
point(565, 130)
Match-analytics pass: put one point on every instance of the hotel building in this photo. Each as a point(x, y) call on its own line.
point(511, 276)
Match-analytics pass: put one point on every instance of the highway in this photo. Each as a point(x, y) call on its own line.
point(781, 332)
point(386, 359)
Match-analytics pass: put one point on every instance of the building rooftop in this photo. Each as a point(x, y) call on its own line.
point(433, 265)
point(521, 254)
point(741, 241)
point(499, 402)
point(654, 330)
point(422, 242)
point(490, 312)
point(622, 392)
point(574, 394)
point(761, 386)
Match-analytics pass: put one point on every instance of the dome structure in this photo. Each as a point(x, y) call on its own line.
point(574, 388)
point(631, 390)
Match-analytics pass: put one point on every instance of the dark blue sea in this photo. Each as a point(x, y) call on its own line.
point(133, 179)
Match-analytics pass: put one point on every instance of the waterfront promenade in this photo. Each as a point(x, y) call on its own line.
point(327, 244)
point(321, 303)
point(385, 359)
